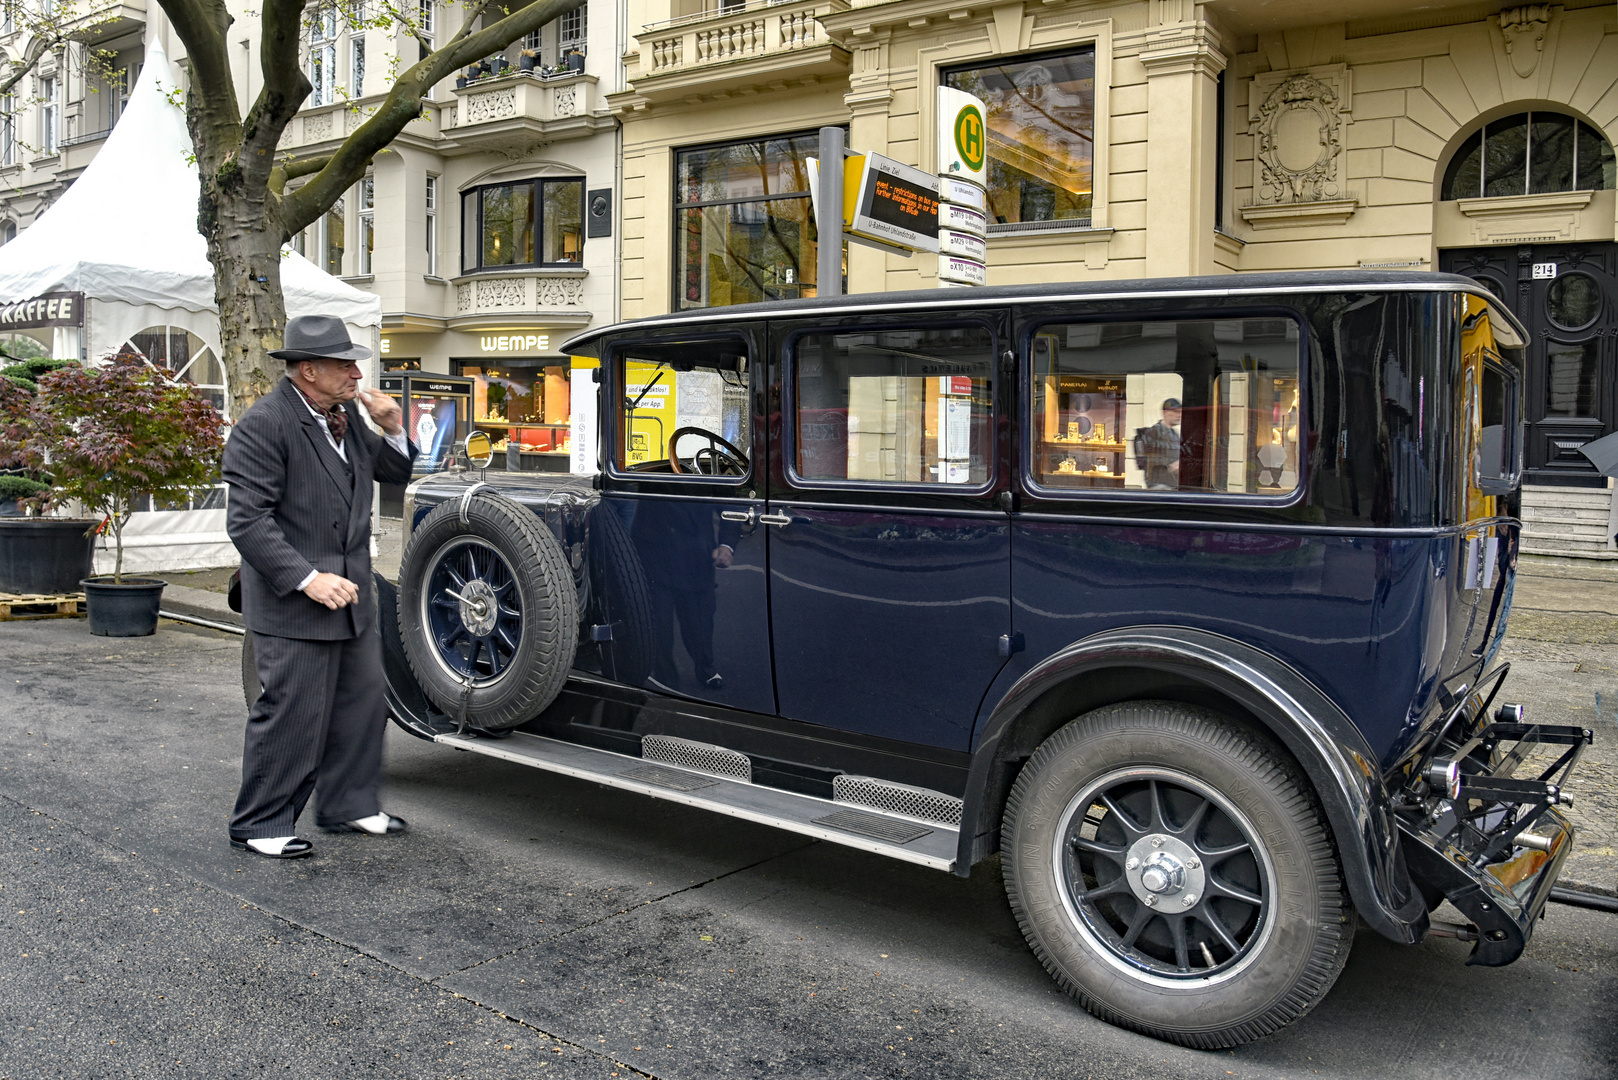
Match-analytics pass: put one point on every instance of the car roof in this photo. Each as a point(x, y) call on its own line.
point(1222, 285)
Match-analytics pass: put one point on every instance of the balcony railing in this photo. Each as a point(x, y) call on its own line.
point(521, 105)
point(555, 293)
point(744, 32)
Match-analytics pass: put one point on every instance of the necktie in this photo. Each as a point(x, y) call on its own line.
point(337, 420)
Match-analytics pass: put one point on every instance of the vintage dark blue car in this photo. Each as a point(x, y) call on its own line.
point(1181, 596)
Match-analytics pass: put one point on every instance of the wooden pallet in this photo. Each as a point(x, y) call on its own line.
point(14, 607)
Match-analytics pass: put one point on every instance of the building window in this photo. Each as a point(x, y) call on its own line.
point(322, 242)
point(425, 21)
point(8, 232)
point(8, 130)
point(432, 226)
point(356, 65)
point(571, 29)
point(323, 56)
point(529, 223)
point(1531, 153)
point(1194, 405)
point(367, 222)
point(744, 230)
point(1041, 116)
point(49, 114)
point(117, 96)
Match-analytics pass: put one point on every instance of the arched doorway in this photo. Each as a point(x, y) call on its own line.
point(1564, 291)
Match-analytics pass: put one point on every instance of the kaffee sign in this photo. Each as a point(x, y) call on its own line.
point(46, 309)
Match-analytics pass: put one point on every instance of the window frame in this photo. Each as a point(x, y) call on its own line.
point(886, 323)
point(1031, 326)
point(50, 114)
point(430, 206)
point(538, 184)
point(1447, 180)
point(322, 66)
point(365, 222)
point(611, 433)
point(676, 275)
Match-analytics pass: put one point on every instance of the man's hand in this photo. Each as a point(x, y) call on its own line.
point(384, 411)
point(722, 556)
point(334, 590)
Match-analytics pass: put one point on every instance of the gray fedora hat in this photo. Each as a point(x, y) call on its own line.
point(318, 337)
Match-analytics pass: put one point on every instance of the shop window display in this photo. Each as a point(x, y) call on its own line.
point(526, 410)
point(1200, 405)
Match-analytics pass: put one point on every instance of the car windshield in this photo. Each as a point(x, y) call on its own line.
point(684, 409)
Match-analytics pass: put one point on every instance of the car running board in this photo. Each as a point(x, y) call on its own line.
point(925, 843)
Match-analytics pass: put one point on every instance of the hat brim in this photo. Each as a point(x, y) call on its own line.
point(353, 352)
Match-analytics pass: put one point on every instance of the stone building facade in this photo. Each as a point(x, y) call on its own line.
point(1152, 138)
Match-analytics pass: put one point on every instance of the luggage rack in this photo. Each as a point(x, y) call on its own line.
point(1474, 799)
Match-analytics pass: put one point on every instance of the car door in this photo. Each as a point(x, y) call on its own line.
point(677, 554)
point(889, 543)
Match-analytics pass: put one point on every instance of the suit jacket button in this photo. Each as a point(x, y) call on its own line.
point(335, 525)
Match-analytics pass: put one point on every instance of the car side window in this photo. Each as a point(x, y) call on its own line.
point(1188, 405)
point(684, 408)
point(910, 406)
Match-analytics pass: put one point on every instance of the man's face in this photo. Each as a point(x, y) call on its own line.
point(1171, 417)
point(329, 382)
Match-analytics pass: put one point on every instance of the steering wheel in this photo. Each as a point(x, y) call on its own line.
point(724, 459)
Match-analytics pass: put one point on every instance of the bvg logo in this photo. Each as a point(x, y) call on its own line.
point(969, 137)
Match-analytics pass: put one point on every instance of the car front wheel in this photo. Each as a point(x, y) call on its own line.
point(1173, 872)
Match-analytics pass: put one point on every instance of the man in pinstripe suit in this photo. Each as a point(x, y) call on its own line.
point(300, 465)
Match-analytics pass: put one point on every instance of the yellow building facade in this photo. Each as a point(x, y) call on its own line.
point(1153, 138)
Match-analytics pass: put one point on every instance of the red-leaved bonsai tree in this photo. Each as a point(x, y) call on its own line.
point(115, 433)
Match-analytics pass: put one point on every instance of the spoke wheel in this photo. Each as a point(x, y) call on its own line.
point(1164, 874)
point(473, 611)
point(488, 612)
point(1173, 871)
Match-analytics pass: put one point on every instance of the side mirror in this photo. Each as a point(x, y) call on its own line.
point(479, 449)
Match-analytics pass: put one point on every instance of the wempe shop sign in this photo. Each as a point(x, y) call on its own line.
point(47, 309)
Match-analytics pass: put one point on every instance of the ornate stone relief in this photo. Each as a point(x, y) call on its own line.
point(463, 298)
point(560, 292)
point(1524, 31)
point(566, 100)
point(1297, 120)
point(494, 105)
point(502, 293)
point(317, 128)
point(1299, 146)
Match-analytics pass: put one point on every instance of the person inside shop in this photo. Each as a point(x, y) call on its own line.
point(300, 466)
point(1158, 448)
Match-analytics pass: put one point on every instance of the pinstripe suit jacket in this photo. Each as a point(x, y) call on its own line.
point(293, 508)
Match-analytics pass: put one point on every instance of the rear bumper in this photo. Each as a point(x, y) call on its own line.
point(1503, 899)
point(1491, 842)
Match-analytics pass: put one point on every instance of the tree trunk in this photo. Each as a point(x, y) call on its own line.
point(244, 243)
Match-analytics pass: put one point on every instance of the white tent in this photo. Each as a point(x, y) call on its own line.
point(125, 235)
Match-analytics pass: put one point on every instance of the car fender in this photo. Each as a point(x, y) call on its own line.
point(1333, 754)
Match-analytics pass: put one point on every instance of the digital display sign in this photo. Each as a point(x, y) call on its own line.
point(894, 203)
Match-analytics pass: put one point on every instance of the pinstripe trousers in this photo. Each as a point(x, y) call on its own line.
point(317, 725)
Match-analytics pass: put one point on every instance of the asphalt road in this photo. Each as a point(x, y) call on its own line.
point(530, 925)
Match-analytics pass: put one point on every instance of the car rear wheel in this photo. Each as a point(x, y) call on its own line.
point(1173, 872)
point(488, 611)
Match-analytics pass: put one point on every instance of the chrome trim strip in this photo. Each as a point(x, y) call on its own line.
point(975, 300)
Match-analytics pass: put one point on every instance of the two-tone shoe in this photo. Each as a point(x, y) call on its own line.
point(275, 847)
point(378, 824)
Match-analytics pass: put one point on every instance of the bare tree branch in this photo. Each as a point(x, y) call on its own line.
point(404, 104)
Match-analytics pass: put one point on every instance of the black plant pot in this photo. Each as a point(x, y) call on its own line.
point(575, 61)
point(46, 556)
point(460, 84)
point(525, 63)
point(126, 610)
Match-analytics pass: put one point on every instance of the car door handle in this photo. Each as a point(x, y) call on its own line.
point(776, 519)
point(750, 516)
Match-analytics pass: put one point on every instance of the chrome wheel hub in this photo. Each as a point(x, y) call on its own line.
point(479, 607)
point(1162, 869)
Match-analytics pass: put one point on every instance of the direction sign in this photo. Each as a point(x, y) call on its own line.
point(963, 136)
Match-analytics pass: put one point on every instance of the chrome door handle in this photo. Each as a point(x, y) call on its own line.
point(750, 517)
point(776, 519)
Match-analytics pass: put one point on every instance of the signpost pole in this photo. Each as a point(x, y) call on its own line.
point(829, 258)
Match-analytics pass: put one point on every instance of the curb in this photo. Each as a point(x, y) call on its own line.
point(200, 604)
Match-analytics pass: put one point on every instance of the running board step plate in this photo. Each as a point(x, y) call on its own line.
point(822, 819)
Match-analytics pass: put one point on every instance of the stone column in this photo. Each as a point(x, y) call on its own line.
point(1182, 63)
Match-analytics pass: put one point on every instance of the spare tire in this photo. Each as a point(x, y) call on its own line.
point(487, 601)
